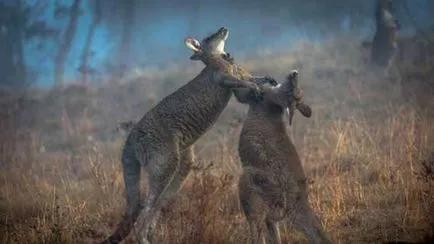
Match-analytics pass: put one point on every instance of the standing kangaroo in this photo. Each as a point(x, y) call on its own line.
point(273, 185)
point(385, 42)
point(161, 141)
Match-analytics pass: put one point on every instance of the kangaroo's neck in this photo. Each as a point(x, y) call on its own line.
point(221, 63)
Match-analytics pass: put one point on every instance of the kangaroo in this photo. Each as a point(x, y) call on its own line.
point(161, 140)
point(273, 185)
point(385, 42)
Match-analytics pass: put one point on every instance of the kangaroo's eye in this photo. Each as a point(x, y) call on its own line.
point(196, 43)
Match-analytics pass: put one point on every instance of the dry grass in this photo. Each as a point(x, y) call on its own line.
point(368, 151)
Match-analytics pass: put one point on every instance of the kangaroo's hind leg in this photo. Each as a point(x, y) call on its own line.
point(131, 170)
point(305, 220)
point(257, 229)
point(252, 207)
point(273, 235)
point(186, 162)
point(162, 166)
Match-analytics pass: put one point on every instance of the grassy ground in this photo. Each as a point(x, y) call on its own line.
point(368, 151)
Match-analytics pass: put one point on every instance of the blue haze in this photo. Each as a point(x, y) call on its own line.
point(161, 28)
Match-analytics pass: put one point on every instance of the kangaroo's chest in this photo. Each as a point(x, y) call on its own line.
point(195, 109)
point(265, 143)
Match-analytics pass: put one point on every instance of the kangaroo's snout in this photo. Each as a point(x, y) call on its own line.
point(293, 74)
point(223, 32)
point(223, 29)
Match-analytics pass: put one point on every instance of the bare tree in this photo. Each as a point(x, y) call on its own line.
point(84, 68)
point(128, 22)
point(119, 16)
point(66, 42)
point(11, 40)
point(19, 24)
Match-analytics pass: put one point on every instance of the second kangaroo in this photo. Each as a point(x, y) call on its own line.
point(273, 186)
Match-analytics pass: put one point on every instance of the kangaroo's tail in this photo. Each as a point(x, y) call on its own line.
point(131, 170)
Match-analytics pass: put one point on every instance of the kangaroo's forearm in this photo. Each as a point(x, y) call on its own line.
point(243, 95)
point(260, 80)
point(237, 84)
point(230, 82)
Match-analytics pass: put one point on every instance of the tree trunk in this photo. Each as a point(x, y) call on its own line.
point(6, 47)
point(84, 66)
point(12, 65)
point(66, 42)
point(19, 47)
point(128, 21)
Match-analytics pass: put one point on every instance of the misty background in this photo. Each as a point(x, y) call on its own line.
point(90, 39)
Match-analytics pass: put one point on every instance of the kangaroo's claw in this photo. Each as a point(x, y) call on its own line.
point(270, 80)
point(258, 93)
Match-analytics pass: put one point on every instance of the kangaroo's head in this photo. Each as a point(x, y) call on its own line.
point(294, 97)
point(212, 45)
point(288, 96)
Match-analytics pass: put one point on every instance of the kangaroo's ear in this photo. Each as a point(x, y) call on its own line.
point(304, 109)
point(193, 44)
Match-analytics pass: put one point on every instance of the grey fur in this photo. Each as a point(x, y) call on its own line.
point(161, 141)
point(273, 186)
